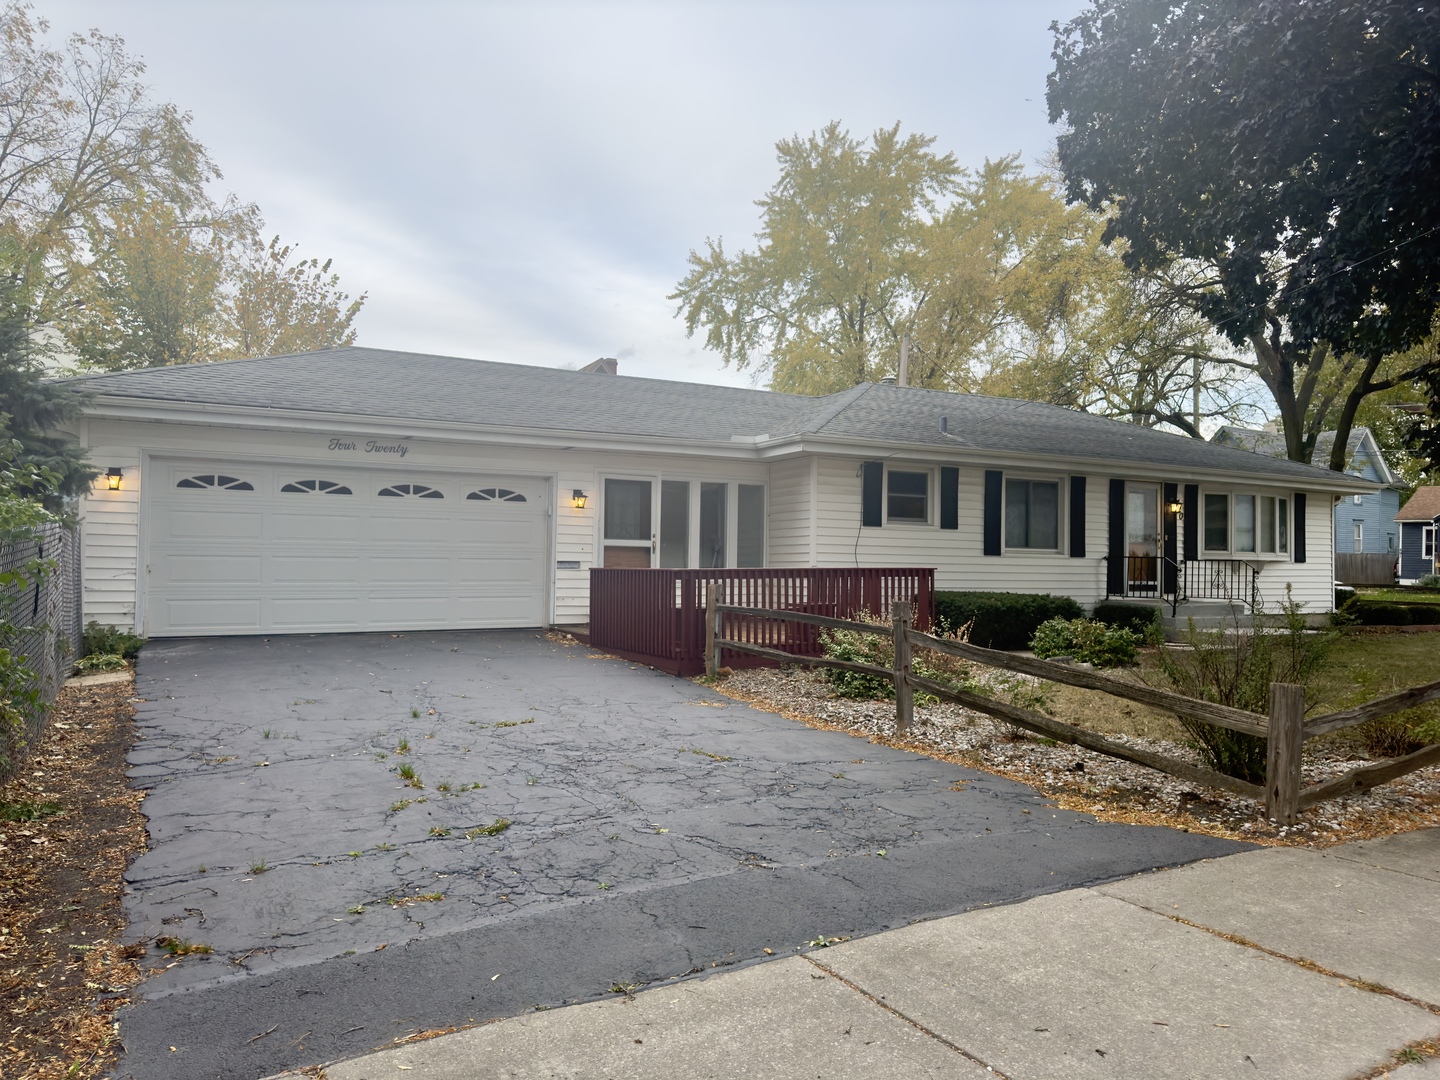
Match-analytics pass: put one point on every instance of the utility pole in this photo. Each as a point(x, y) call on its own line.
point(903, 376)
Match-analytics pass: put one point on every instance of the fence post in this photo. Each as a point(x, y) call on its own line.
point(904, 694)
point(1282, 752)
point(712, 632)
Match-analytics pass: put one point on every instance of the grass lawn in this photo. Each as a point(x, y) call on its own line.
point(1402, 596)
point(1361, 667)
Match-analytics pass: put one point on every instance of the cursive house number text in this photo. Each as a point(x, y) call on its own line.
point(371, 446)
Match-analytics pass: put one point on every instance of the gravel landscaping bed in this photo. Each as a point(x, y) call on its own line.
point(1111, 789)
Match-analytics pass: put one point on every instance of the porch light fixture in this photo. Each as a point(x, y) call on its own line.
point(577, 499)
point(1174, 507)
point(112, 477)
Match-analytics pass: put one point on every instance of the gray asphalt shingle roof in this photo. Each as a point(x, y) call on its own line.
point(414, 386)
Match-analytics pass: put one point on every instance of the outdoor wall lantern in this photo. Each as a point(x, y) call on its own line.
point(577, 498)
point(112, 478)
point(1174, 507)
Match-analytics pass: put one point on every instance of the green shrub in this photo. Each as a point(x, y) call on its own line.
point(107, 641)
point(879, 649)
point(1000, 620)
point(1343, 594)
point(1396, 736)
point(1140, 619)
point(98, 662)
point(1086, 640)
point(1429, 581)
point(1236, 669)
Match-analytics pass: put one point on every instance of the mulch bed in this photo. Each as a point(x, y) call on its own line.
point(63, 968)
point(1108, 788)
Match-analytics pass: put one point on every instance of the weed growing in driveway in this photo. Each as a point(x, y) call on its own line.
point(403, 746)
point(396, 807)
point(410, 776)
point(603, 885)
point(266, 733)
point(500, 825)
point(476, 786)
point(418, 898)
point(380, 755)
point(443, 786)
point(531, 781)
point(385, 847)
point(258, 868)
point(507, 723)
point(414, 713)
point(304, 701)
point(624, 988)
point(358, 909)
point(354, 854)
point(436, 830)
point(706, 753)
point(175, 946)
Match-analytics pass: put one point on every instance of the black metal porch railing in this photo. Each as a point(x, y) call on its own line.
point(1155, 577)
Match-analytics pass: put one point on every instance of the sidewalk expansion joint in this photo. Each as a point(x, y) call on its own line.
point(901, 1016)
point(1299, 961)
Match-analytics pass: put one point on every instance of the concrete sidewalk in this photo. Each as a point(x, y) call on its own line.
point(1268, 964)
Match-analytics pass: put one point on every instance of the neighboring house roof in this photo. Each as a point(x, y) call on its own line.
point(380, 383)
point(1273, 444)
point(1424, 505)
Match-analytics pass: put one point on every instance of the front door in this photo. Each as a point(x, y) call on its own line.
point(628, 520)
point(1142, 539)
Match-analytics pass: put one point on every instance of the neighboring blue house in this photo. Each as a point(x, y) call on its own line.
point(1363, 523)
point(1417, 534)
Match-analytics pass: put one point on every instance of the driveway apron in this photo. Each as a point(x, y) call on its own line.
point(389, 833)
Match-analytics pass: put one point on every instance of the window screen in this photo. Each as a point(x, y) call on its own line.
point(750, 526)
point(1244, 522)
point(712, 524)
point(1032, 514)
point(907, 496)
point(1217, 522)
point(627, 510)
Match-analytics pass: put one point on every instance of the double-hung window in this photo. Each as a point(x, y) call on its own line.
point(907, 497)
point(1032, 514)
point(1427, 542)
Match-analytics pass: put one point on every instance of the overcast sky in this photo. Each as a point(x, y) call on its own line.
point(523, 182)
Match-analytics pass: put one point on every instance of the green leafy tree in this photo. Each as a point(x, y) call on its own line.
point(998, 285)
point(277, 306)
point(1290, 149)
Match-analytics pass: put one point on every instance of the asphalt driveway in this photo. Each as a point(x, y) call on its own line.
point(655, 829)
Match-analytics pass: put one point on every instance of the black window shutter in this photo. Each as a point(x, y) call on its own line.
point(1192, 522)
point(1297, 542)
point(1115, 568)
point(870, 493)
point(1077, 517)
point(1172, 542)
point(949, 497)
point(994, 481)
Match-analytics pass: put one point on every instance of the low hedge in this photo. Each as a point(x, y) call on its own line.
point(1388, 613)
point(1137, 618)
point(1001, 620)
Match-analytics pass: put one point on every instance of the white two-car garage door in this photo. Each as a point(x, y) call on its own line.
point(234, 548)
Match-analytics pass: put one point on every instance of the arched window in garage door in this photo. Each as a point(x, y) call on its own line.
point(419, 491)
point(316, 487)
point(496, 494)
point(216, 482)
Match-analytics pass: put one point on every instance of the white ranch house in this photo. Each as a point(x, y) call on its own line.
point(363, 489)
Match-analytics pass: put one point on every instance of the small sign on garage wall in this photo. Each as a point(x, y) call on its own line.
point(343, 444)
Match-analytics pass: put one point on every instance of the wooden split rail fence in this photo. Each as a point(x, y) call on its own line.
point(1285, 729)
